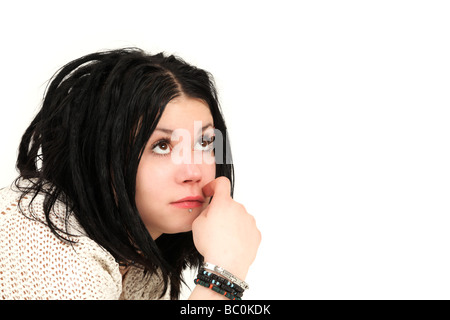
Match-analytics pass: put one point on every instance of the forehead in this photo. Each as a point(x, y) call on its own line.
point(183, 111)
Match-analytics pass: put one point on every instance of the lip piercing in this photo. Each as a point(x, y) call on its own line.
point(190, 210)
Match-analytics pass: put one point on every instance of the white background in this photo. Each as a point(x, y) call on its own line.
point(339, 119)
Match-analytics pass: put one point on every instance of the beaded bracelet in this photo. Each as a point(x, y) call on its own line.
point(224, 283)
point(220, 285)
point(216, 289)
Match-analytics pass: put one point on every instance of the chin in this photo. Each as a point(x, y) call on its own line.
point(180, 225)
point(178, 230)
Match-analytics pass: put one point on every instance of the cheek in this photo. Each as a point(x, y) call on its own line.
point(209, 173)
point(151, 183)
point(159, 183)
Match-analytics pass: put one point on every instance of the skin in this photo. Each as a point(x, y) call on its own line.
point(224, 233)
point(157, 172)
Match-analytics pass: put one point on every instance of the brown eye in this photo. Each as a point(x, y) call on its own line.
point(206, 144)
point(161, 147)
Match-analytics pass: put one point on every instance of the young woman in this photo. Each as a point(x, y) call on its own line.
point(125, 181)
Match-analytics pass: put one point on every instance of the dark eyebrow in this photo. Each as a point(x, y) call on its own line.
point(164, 130)
point(168, 131)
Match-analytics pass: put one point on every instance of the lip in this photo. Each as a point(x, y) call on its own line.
point(189, 202)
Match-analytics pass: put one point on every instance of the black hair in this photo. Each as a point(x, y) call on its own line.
point(84, 147)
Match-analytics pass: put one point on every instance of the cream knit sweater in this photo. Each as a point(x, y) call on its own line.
point(35, 264)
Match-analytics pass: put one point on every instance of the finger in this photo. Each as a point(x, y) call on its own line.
point(220, 188)
point(200, 217)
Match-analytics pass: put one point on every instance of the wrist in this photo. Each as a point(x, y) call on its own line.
point(223, 274)
point(237, 269)
point(225, 284)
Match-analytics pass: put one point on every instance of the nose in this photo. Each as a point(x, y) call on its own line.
point(189, 173)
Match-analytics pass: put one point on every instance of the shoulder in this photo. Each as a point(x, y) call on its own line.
point(36, 264)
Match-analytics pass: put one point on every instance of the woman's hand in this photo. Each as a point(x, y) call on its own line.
point(224, 233)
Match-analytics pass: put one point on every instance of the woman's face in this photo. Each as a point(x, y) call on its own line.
point(177, 162)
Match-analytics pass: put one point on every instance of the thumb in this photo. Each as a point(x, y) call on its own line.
point(220, 188)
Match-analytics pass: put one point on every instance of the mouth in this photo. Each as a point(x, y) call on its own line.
point(189, 202)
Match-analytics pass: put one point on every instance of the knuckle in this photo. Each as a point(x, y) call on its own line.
point(251, 219)
point(241, 207)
